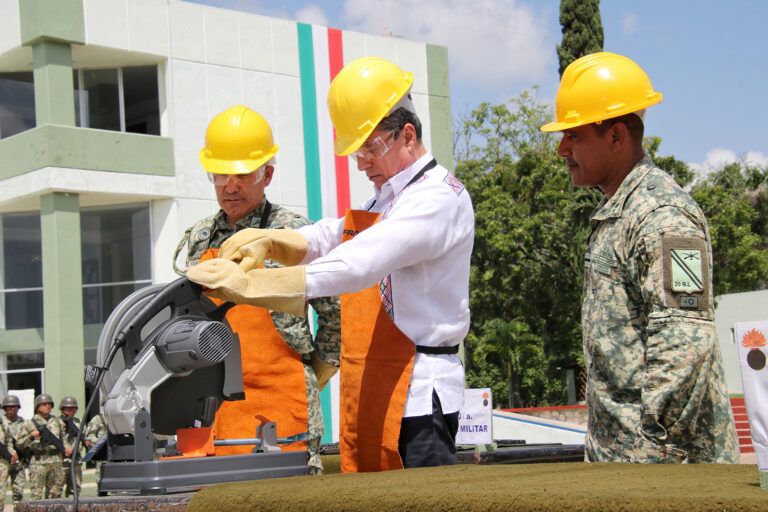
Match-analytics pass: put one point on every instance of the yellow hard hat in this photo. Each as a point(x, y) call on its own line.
point(600, 86)
point(365, 91)
point(237, 141)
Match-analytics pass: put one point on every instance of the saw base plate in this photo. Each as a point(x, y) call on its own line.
point(188, 474)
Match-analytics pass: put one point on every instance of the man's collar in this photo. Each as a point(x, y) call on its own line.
point(249, 221)
point(401, 179)
point(614, 206)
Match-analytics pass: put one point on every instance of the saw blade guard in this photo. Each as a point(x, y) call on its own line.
point(179, 360)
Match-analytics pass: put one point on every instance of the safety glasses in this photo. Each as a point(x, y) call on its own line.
point(243, 180)
point(378, 147)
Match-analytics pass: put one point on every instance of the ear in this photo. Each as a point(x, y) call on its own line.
point(268, 171)
point(619, 136)
point(409, 134)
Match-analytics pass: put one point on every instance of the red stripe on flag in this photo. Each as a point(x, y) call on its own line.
point(336, 60)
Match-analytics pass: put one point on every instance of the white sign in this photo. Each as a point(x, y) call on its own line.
point(752, 345)
point(27, 400)
point(476, 417)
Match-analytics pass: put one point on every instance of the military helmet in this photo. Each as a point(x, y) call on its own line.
point(11, 401)
point(44, 398)
point(68, 401)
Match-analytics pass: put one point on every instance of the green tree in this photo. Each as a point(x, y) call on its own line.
point(531, 226)
point(582, 30)
point(734, 202)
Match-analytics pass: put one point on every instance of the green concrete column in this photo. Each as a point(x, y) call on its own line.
point(54, 86)
point(440, 121)
point(62, 295)
point(50, 27)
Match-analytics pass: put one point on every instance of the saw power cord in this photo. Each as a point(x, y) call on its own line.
point(117, 344)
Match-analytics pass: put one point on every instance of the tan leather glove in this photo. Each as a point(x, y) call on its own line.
point(250, 247)
point(323, 370)
point(279, 289)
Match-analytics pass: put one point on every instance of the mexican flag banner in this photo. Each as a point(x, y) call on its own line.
point(752, 344)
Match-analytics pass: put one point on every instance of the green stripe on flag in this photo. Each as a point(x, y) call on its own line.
point(312, 166)
point(309, 116)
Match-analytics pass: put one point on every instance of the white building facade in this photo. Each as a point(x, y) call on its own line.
point(103, 110)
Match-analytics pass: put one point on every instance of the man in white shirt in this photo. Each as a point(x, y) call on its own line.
point(403, 270)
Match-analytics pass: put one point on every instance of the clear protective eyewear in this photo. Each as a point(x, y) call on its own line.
point(243, 180)
point(376, 148)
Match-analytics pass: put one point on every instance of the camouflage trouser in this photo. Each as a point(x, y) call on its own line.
point(315, 426)
point(68, 478)
point(46, 480)
point(18, 481)
point(3, 474)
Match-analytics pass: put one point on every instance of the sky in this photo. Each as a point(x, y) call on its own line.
point(709, 58)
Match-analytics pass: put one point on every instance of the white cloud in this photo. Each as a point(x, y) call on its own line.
point(629, 24)
point(755, 159)
point(491, 43)
point(719, 158)
point(312, 14)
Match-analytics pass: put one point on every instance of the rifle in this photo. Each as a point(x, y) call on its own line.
point(49, 438)
point(71, 429)
point(23, 453)
point(95, 449)
point(5, 453)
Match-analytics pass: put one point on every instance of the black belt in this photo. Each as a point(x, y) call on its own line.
point(437, 350)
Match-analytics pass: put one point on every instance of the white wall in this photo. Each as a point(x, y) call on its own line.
point(211, 59)
point(10, 30)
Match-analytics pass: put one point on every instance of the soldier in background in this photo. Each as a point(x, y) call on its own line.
point(284, 366)
point(94, 432)
point(43, 436)
point(8, 456)
point(13, 423)
point(68, 407)
point(655, 386)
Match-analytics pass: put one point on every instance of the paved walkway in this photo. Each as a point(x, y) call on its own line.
point(89, 488)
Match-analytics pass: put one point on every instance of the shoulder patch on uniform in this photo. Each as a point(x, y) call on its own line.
point(203, 234)
point(686, 272)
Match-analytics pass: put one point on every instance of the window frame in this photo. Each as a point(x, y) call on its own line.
point(81, 95)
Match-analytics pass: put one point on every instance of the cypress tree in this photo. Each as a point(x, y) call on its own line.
point(582, 30)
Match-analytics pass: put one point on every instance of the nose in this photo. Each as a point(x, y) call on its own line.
point(231, 184)
point(363, 163)
point(563, 150)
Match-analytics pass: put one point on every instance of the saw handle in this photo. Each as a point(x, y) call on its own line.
point(159, 302)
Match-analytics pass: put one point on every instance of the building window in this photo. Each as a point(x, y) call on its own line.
point(119, 99)
point(116, 249)
point(116, 257)
point(17, 103)
point(22, 286)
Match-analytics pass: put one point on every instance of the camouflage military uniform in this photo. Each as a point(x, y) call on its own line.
point(5, 465)
point(93, 432)
point(655, 388)
point(69, 442)
point(95, 429)
point(17, 471)
point(46, 477)
point(210, 233)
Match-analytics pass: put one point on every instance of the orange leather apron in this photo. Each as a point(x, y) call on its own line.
point(376, 367)
point(273, 381)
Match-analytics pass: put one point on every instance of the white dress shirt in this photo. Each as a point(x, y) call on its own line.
point(423, 242)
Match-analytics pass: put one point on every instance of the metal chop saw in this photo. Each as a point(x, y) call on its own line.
point(166, 360)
